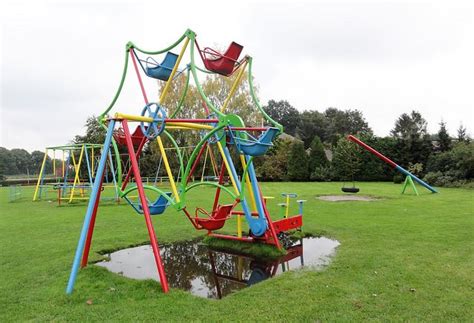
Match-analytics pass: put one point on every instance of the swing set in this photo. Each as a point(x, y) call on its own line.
point(74, 177)
point(225, 134)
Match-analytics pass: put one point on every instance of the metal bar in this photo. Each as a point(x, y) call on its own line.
point(146, 210)
point(391, 163)
point(90, 208)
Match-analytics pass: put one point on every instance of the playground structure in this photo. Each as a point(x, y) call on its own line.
point(409, 176)
point(74, 177)
point(226, 133)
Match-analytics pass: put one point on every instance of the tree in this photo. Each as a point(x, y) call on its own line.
point(285, 114)
point(413, 141)
point(275, 163)
point(22, 160)
point(312, 123)
point(346, 160)
point(444, 141)
point(341, 123)
point(317, 156)
point(409, 127)
point(95, 134)
point(298, 162)
point(462, 134)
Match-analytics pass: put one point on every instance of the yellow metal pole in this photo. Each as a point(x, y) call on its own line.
point(168, 169)
point(249, 185)
point(232, 179)
point(287, 205)
point(40, 175)
point(77, 168)
point(221, 150)
point(173, 72)
point(234, 86)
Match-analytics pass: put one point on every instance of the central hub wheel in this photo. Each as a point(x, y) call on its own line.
point(155, 127)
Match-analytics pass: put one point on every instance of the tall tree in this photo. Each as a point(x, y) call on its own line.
point(346, 159)
point(413, 141)
point(444, 141)
point(298, 162)
point(285, 114)
point(317, 156)
point(410, 126)
point(312, 123)
point(95, 134)
point(341, 123)
point(462, 134)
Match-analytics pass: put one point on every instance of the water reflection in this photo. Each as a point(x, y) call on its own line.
point(194, 267)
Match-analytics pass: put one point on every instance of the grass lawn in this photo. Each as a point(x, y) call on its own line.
point(403, 257)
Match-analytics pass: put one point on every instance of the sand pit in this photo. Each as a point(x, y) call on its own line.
point(342, 198)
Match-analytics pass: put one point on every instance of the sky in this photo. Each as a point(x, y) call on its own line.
point(61, 61)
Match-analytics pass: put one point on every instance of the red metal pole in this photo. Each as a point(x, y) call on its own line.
point(269, 221)
point(372, 150)
point(146, 210)
point(193, 120)
point(142, 143)
point(132, 55)
point(218, 191)
point(196, 162)
point(90, 232)
point(129, 173)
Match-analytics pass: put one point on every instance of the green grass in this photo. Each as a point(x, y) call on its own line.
point(400, 258)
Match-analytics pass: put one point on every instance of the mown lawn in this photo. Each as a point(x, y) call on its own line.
point(401, 258)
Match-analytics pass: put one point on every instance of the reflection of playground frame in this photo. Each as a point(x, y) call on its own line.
point(261, 270)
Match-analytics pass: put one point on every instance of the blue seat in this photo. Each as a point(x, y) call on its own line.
point(161, 71)
point(158, 207)
point(259, 146)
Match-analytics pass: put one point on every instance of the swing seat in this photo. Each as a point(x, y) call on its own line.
point(216, 219)
point(350, 189)
point(223, 64)
point(157, 207)
point(137, 137)
point(259, 146)
point(161, 71)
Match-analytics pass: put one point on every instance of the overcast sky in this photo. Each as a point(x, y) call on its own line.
point(62, 61)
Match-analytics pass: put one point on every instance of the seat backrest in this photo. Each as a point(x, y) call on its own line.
point(234, 50)
point(170, 60)
point(138, 133)
point(223, 211)
point(268, 135)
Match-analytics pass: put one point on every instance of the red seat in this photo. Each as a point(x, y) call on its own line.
point(216, 219)
point(223, 64)
point(137, 137)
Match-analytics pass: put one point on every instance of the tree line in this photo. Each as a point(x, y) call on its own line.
point(313, 148)
point(318, 149)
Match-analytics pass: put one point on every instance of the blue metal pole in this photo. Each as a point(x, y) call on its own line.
point(90, 209)
point(256, 191)
point(257, 226)
point(416, 179)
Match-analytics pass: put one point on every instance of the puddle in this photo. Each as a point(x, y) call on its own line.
point(337, 198)
point(193, 267)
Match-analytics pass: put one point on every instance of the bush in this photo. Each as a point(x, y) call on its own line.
point(298, 162)
point(398, 178)
point(322, 174)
